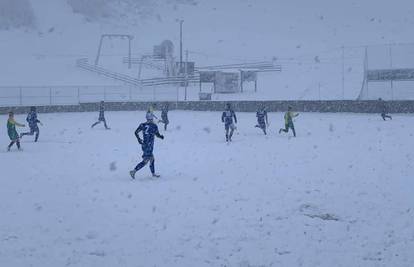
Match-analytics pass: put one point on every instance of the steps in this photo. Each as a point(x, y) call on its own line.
point(177, 80)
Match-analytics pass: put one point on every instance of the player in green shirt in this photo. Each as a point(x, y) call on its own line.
point(11, 131)
point(289, 115)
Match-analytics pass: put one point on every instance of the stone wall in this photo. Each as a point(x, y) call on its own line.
point(243, 106)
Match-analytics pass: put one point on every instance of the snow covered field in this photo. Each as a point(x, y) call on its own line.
point(340, 194)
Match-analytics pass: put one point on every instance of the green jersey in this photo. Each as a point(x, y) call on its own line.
point(11, 129)
point(289, 117)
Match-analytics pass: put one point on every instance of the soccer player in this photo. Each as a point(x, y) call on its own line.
point(384, 109)
point(262, 121)
point(150, 113)
point(289, 115)
point(149, 129)
point(32, 121)
point(164, 116)
point(227, 118)
point(101, 116)
point(11, 131)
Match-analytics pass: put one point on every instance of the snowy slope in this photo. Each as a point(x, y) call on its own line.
point(305, 37)
point(340, 194)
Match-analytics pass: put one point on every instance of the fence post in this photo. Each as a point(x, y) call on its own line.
point(20, 96)
point(79, 95)
point(241, 81)
point(178, 94)
point(366, 67)
point(319, 91)
point(130, 93)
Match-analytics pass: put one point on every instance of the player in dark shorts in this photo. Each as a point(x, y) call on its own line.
point(149, 130)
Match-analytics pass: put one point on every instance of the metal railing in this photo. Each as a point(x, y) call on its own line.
point(83, 63)
point(257, 66)
point(73, 95)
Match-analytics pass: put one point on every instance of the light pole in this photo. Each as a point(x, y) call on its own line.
point(343, 72)
point(181, 44)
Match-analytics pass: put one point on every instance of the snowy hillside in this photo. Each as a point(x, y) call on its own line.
point(340, 194)
point(304, 36)
point(16, 14)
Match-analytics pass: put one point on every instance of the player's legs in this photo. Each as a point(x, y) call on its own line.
point(262, 126)
point(227, 128)
point(16, 141)
point(232, 127)
point(284, 130)
point(258, 125)
point(141, 164)
point(291, 126)
point(37, 134)
point(152, 165)
point(10, 145)
point(144, 162)
point(384, 116)
point(28, 133)
point(106, 126)
point(96, 123)
point(264, 129)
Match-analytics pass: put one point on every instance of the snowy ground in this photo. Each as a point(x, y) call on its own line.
point(340, 194)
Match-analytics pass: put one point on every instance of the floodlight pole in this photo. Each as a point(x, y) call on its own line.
point(129, 53)
point(181, 44)
point(392, 84)
point(343, 72)
point(99, 50)
point(186, 74)
point(366, 69)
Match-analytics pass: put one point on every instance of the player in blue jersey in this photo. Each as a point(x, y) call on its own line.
point(164, 116)
point(262, 121)
point(384, 109)
point(101, 116)
point(149, 129)
point(229, 119)
point(33, 121)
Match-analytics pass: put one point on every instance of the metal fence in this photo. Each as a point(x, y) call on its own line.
point(70, 95)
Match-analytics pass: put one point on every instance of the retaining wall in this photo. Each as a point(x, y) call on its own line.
point(243, 106)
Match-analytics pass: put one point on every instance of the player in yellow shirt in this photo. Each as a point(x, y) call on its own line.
point(11, 131)
point(289, 115)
